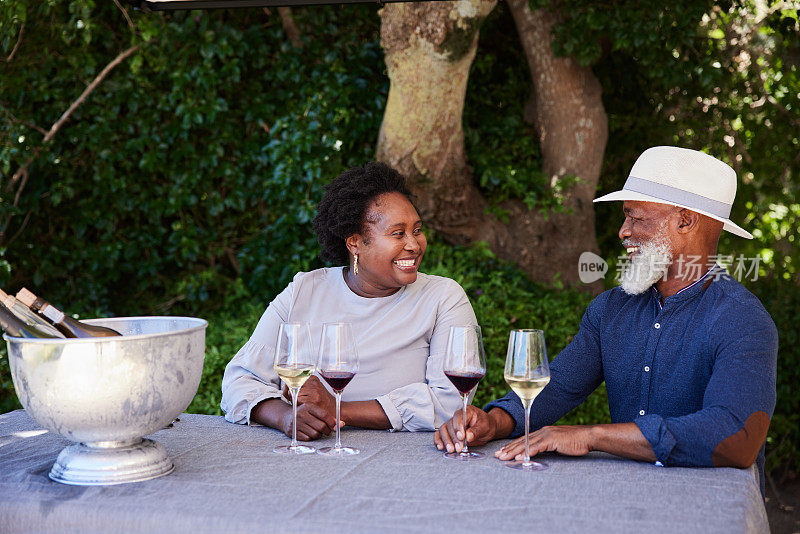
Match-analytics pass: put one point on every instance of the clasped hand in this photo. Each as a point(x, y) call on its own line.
point(482, 428)
point(316, 411)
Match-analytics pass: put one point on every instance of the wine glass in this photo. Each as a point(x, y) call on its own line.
point(464, 365)
point(338, 364)
point(527, 372)
point(294, 363)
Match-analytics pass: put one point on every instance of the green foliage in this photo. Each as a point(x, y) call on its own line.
point(650, 33)
point(751, 119)
point(783, 442)
point(227, 331)
point(193, 163)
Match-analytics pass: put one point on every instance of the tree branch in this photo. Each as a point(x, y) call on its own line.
point(57, 125)
point(91, 87)
point(164, 306)
point(19, 40)
point(21, 228)
point(289, 26)
point(26, 123)
point(23, 182)
point(125, 13)
point(22, 171)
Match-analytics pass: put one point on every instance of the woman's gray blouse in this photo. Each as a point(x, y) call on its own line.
point(401, 341)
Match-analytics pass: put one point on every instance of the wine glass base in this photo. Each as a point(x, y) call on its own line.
point(464, 455)
point(527, 466)
point(340, 452)
point(294, 449)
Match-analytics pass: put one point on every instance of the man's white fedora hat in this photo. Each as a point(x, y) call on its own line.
point(684, 178)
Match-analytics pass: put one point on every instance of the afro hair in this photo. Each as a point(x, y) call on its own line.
point(343, 208)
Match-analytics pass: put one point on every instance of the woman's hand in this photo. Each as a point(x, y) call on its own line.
point(316, 411)
point(313, 392)
point(312, 422)
point(364, 414)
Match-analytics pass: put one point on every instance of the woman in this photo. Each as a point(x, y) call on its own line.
point(401, 319)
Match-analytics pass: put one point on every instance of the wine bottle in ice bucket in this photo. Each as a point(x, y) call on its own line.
point(27, 316)
point(66, 325)
point(16, 327)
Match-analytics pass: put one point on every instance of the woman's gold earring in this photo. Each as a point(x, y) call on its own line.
point(355, 263)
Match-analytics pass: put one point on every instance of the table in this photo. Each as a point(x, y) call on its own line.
point(228, 480)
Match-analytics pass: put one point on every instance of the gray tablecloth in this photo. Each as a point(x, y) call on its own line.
point(228, 480)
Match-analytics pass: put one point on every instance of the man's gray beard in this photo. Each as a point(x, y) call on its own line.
point(648, 266)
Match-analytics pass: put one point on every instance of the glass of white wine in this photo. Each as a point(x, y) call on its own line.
point(527, 372)
point(295, 362)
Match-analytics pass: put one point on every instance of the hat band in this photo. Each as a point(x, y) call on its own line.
point(674, 195)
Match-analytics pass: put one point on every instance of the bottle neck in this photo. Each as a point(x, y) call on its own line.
point(39, 304)
point(11, 323)
point(55, 315)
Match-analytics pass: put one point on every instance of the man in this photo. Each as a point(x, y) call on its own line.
point(688, 357)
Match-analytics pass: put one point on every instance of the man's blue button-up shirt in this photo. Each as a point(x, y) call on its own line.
point(696, 373)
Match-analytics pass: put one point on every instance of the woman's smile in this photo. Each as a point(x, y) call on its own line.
point(407, 265)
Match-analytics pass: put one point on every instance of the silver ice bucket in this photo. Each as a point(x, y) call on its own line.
point(106, 393)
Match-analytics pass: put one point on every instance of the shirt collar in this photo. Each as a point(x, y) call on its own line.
point(692, 289)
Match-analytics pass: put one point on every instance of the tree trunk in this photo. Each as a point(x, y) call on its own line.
point(429, 49)
point(567, 111)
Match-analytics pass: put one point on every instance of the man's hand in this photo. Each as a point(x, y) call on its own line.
point(313, 392)
point(481, 428)
point(621, 439)
point(570, 440)
point(312, 422)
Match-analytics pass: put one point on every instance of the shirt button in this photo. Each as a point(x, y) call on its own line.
point(641, 412)
point(657, 325)
point(646, 369)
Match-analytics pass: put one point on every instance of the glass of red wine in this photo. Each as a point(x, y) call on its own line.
point(465, 365)
point(338, 364)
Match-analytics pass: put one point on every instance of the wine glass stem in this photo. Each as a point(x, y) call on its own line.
point(338, 421)
point(527, 431)
point(295, 392)
point(464, 449)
